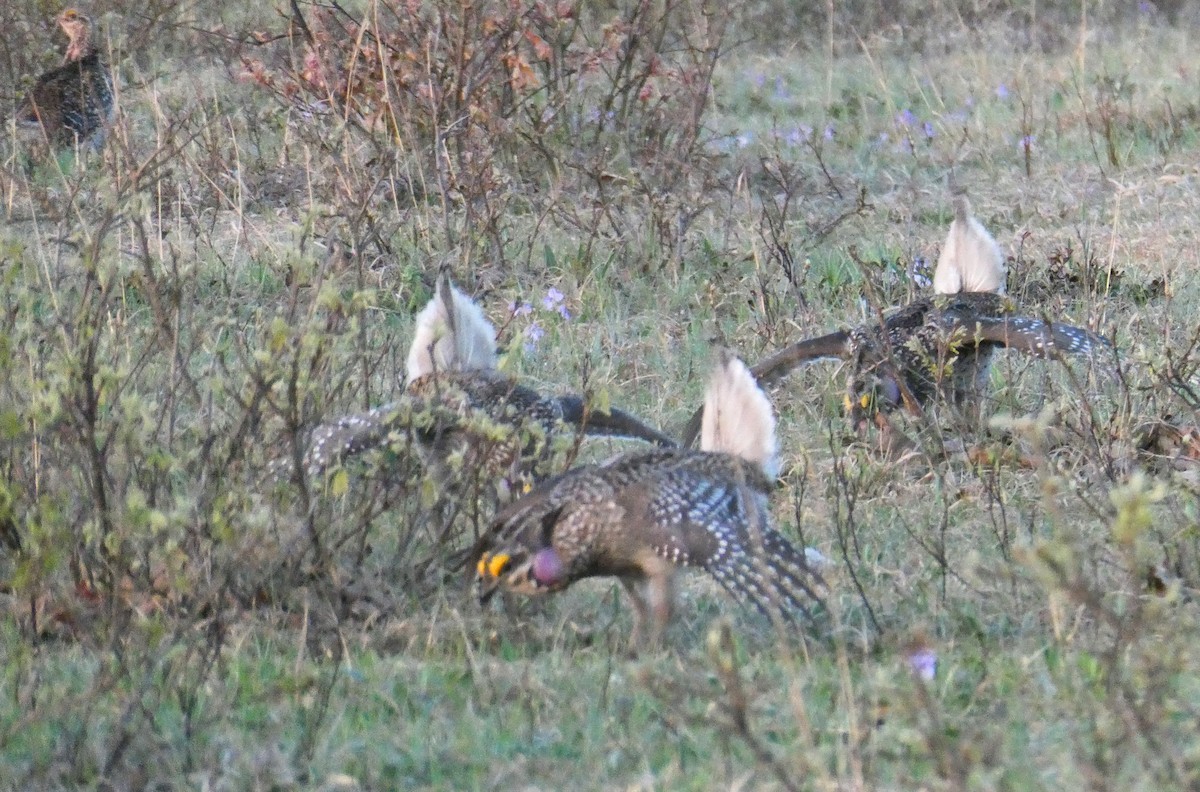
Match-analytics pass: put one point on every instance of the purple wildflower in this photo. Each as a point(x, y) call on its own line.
point(1026, 143)
point(923, 663)
point(552, 299)
point(798, 135)
point(1002, 91)
point(830, 130)
point(555, 301)
point(927, 127)
point(593, 115)
point(520, 309)
point(533, 334)
point(906, 118)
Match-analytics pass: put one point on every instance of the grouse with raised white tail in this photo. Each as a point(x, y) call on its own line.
point(642, 516)
point(936, 347)
point(462, 414)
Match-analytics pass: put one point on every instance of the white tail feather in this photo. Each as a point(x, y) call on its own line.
point(452, 335)
point(738, 418)
point(971, 260)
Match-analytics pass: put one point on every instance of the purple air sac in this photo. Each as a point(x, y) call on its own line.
point(548, 568)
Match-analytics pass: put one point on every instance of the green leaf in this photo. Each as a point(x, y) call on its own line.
point(279, 334)
point(339, 485)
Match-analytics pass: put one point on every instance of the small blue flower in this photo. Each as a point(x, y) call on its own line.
point(923, 663)
point(1002, 91)
point(520, 309)
point(929, 130)
point(830, 131)
point(1027, 142)
point(759, 80)
point(555, 301)
point(533, 334)
point(1146, 7)
point(798, 135)
point(906, 118)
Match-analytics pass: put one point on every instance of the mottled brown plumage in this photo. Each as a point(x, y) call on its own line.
point(641, 516)
point(942, 346)
point(71, 105)
point(939, 347)
point(465, 417)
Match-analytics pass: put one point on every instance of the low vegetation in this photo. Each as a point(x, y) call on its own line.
point(623, 186)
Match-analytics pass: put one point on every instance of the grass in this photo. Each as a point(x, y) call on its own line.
point(240, 265)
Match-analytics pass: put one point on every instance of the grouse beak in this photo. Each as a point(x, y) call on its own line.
point(524, 574)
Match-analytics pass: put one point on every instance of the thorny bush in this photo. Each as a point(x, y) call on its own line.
point(610, 100)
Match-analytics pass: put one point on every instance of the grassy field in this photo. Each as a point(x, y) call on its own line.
point(245, 258)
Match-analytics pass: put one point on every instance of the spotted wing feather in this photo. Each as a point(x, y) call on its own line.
point(721, 526)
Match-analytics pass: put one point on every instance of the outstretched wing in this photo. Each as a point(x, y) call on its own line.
point(778, 366)
point(352, 435)
point(614, 423)
point(712, 522)
point(1031, 336)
